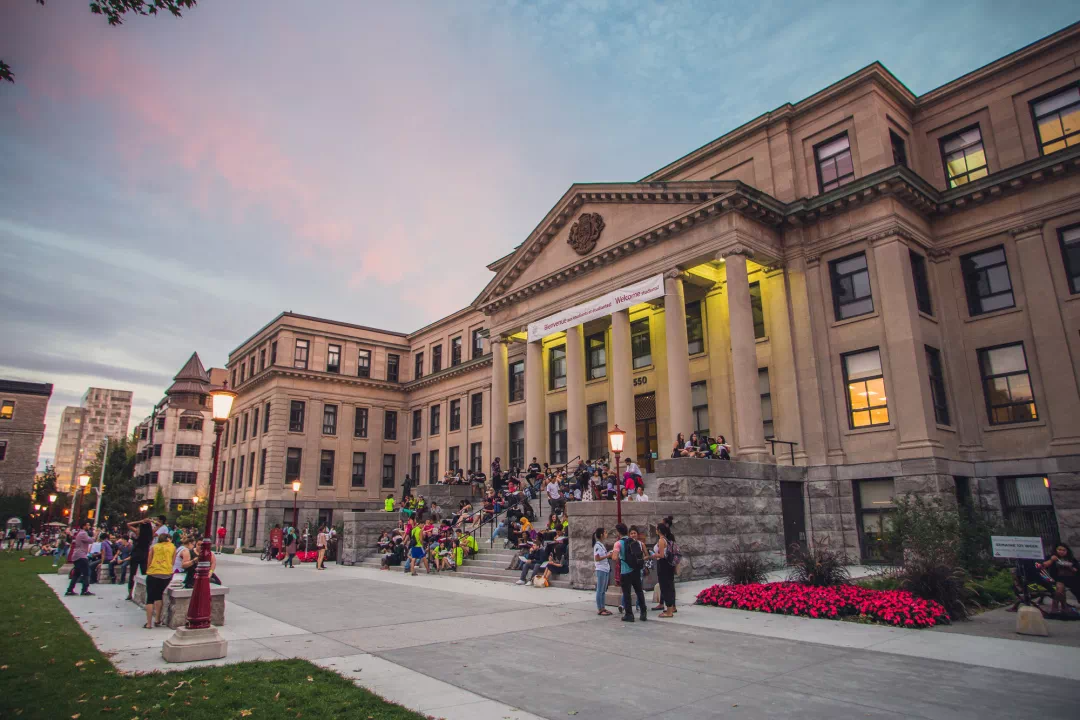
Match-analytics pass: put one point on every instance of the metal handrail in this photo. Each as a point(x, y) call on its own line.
point(791, 446)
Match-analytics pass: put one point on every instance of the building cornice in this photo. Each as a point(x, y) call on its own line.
point(446, 373)
point(283, 371)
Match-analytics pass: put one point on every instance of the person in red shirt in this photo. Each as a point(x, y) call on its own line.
point(275, 541)
point(220, 537)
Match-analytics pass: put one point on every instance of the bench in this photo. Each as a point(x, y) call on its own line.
point(176, 600)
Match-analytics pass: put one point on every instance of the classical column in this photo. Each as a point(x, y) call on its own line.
point(911, 409)
point(750, 435)
point(783, 381)
point(1051, 350)
point(622, 382)
point(535, 408)
point(500, 397)
point(577, 439)
point(681, 418)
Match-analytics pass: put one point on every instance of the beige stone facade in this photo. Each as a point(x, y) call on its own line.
point(102, 413)
point(891, 282)
point(22, 426)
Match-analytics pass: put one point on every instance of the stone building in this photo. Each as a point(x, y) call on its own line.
point(884, 284)
point(102, 413)
point(22, 426)
point(176, 442)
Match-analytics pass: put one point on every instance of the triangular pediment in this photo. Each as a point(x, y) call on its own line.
point(622, 212)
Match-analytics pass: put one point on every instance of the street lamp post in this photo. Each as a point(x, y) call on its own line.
point(101, 485)
point(615, 439)
point(295, 491)
point(198, 640)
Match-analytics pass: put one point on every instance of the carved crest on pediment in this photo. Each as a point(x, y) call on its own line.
point(585, 233)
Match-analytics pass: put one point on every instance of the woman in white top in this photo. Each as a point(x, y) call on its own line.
point(603, 570)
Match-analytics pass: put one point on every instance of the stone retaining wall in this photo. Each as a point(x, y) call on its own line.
point(361, 532)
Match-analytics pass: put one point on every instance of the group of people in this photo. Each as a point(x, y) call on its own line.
point(701, 446)
point(632, 561)
point(284, 543)
point(437, 545)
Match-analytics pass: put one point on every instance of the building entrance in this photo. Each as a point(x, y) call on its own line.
point(645, 413)
point(791, 505)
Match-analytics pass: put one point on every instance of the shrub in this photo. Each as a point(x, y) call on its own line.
point(817, 566)
point(993, 589)
point(888, 580)
point(940, 583)
point(743, 565)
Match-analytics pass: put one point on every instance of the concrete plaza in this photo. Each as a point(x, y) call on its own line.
point(458, 648)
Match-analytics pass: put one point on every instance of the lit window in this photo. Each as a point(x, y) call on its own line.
point(1007, 385)
point(964, 157)
point(834, 165)
point(1057, 120)
point(865, 389)
point(987, 281)
point(7, 410)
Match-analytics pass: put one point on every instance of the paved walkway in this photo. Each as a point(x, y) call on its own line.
point(458, 648)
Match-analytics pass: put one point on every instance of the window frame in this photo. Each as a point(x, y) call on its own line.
point(330, 412)
point(695, 409)
point(768, 424)
point(557, 438)
point(1035, 120)
point(181, 477)
point(636, 334)
point(847, 391)
point(980, 353)
point(969, 274)
point(841, 180)
point(757, 310)
point(596, 432)
point(262, 467)
point(266, 418)
point(301, 359)
point(435, 419)
point(695, 326)
point(433, 466)
point(455, 351)
point(454, 420)
point(415, 468)
point(360, 422)
point(867, 554)
point(393, 361)
point(363, 363)
point(967, 173)
point(333, 351)
point(295, 425)
point(1028, 516)
point(920, 279)
point(289, 460)
point(476, 457)
point(514, 385)
point(453, 458)
point(417, 424)
point(392, 466)
point(593, 369)
point(1071, 279)
point(476, 409)
point(935, 370)
point(418, 365)
point(557, 358)
point(436, 358)
point(515, 443)
point(894, 141)
point(326, 470)
point(835, 279)
point(477, 343)
point(390, 424)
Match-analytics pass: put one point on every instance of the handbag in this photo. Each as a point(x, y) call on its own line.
point(540, 581)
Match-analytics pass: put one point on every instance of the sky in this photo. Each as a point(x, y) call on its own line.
point(171, 185)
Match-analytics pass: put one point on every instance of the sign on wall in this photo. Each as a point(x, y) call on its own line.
point(602, 306)
point(1018, 548)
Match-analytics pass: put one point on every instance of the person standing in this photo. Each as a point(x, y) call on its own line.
point(79, 556)
point(123, 558)
point(631, 554)
point(140, 550)
point(220, 537)
point(159, 573)
point(276, 537)
point(320, 543)
point(601, 555)
point(290, 548)
point(20, 538)
point(666, 555)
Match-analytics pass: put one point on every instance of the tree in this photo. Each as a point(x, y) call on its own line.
point(45, 485)
point(159, 507)
point(114, 12)
point(119, 497)
point(193, 515)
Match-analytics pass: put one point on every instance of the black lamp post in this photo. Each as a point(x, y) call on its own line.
point(615, 440)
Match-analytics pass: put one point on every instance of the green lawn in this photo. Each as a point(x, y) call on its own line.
point(51, 670)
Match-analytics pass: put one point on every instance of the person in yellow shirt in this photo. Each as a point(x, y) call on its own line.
point(388, 506)
point(159, 572)
point(459, 555)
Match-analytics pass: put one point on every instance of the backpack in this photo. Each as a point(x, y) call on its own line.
point(674, 556)
point(635, 558)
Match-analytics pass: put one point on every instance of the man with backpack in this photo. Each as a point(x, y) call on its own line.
point(630, 554)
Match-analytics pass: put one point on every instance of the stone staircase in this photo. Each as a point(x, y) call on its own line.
point(489, 564)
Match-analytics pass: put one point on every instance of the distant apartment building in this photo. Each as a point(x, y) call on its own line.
point(22, 426)
point(176, 442)
point(102, 413)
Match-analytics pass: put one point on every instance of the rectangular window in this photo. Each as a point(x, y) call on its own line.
point(300, 355)
point(476, 414)
point(455, 351)
point(273, 353)
point(963, 156)
point(1057, 119)
point(834, 165)
point(254, 422)
point(415, 477)
point(221, 478)
point(1027, 508)
point(757, 310)
point(296, 416)
point(695, 327)
point(240, 475)
point(557, 367)
point(640, 343)
point(187, 450)
point(987, 281)
point(865, 389)
point(517, 445)
point(1070, 255)
point(765, 391)
point(235, 430)
point(326, 468)
point(595, 357)
point(7, 410)
point(921, 280)
point(699, 402)
point(517, 381)
point(161, 422)
point(266, 419)
point(243, 368)
point(455, 415)
point(453, 458)
point(190, 422)
point(389, 464)
point(244, 427)
point(436, 358)
point(251, 469)
point(937, 385)
point(3, 449)
point(557, 437)
point(477, 342)
point(392, 362)
point(851, 287)
point(899, 149)
point(433, 466)
point(184, 477)
point(418, 365)
point(293, 457)
point(333, 358)
point(360, 423)
point(476, 457)
point(1007, 384)
point(329, 420)
point(390, 425)
point(234, 377)
point(359, 469)
point(598, 438)
point(262, 467)
point(262, 359)
point(363, 363)
point(417, 424)
point(154, 478)
point(874, 514)
point(435, 416)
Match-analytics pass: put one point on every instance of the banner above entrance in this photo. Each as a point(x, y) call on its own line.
point(600, 307)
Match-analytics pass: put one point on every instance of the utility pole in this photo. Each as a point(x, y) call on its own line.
point(101, 485)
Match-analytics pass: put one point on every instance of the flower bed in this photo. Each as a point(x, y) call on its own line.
point(891, 607)
point(302, 556)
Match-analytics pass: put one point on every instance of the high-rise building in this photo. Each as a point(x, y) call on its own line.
point(102, 413)
point(22, 425)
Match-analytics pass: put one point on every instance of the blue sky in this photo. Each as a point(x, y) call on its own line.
point(171, 185)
